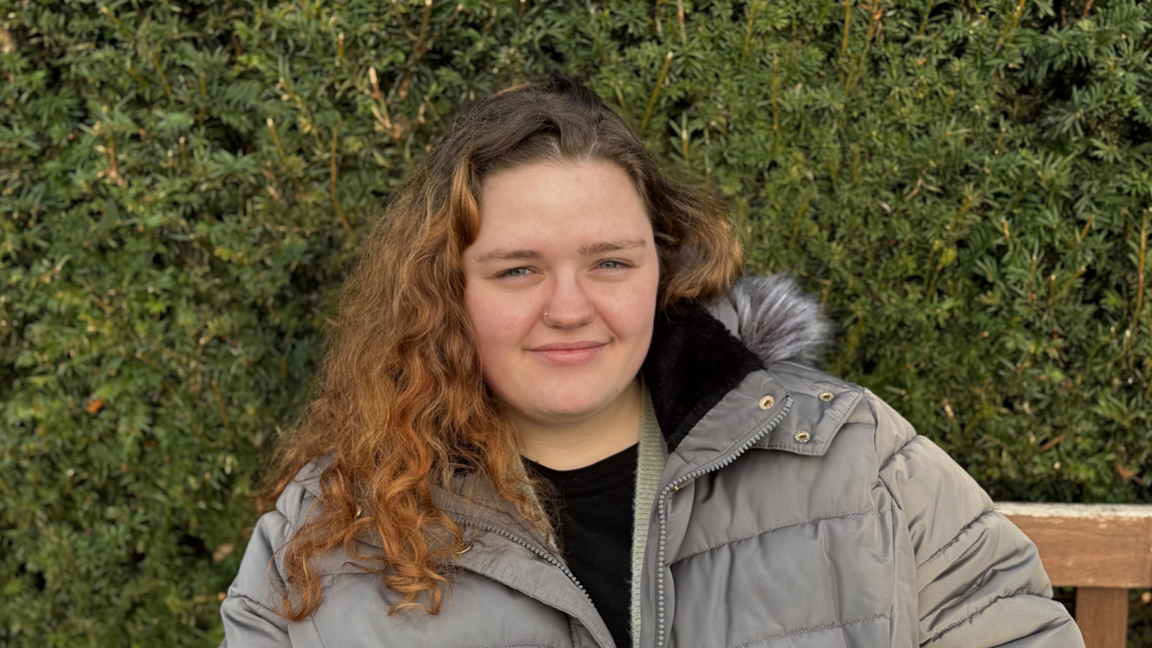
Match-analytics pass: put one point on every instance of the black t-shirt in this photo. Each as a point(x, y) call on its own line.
point(595, 517)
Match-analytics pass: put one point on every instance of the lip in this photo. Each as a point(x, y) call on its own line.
point(568, 353)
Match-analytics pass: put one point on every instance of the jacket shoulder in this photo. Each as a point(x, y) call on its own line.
point(301, 497)
point(301, 501)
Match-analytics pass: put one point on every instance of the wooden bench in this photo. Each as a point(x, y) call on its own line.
point(1103, 550)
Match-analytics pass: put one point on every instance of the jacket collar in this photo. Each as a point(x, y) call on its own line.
point(692, 363)
point(701, 354)
point(472, 501)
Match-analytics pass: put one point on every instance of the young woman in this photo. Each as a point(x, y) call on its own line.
point(550, 416)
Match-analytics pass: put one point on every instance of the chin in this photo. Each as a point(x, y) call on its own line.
point(564, 411)
point(568, 405)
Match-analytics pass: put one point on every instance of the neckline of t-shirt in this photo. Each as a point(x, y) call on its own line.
point(613, 466)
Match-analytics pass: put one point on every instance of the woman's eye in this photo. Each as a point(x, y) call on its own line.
point(612, 265)
point(515, 272)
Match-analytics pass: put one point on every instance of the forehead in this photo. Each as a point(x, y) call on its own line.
point(560, 202)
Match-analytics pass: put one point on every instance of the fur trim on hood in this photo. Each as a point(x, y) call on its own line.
point(776, 319)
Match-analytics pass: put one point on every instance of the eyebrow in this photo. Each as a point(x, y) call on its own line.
point(612, 246)
point(601, 247)
point(508, 255)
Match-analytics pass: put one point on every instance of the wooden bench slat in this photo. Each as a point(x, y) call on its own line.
point(1046, 509)
point(1089, 545)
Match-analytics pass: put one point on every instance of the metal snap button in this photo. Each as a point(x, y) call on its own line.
point(767, 402)
point(825, 396)
point(802, 436)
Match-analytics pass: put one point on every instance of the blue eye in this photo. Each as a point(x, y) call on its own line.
point(613, 265)
point(515, 272)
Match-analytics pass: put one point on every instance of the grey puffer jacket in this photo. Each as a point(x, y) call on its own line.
point(795, 510)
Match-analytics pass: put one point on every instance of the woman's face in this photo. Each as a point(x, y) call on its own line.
point(560, 286)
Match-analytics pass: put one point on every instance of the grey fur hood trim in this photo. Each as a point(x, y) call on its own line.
point(776, 319)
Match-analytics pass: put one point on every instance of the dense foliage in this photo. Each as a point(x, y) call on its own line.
point(966, 184)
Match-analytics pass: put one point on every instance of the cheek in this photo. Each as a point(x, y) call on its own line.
point(634, 312)
point(483, 317)
point(642, 320)
point(497, 324)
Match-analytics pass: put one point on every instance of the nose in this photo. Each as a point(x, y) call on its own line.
point(568, 306)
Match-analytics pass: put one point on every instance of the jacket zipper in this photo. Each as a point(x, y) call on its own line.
point(534, 549)
point(666, 502)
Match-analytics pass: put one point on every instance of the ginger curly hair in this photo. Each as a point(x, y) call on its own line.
point(401, 404)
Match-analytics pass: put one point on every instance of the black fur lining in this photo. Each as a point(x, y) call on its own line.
point(692, 364)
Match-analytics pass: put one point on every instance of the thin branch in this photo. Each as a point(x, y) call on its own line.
point(748, 34)
point(656, 92)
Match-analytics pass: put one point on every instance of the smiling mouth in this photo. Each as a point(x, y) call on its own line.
point(574, 353)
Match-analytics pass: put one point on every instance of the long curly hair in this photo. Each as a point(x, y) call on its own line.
point(401, 404)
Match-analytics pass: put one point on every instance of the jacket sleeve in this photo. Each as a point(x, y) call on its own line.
point(980, 581)
point(250, 619)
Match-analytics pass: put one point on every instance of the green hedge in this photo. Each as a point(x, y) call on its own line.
point(967, 186)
